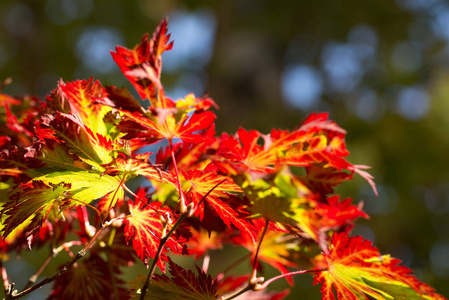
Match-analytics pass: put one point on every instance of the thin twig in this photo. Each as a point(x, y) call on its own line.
point(233, 265)
point(55, 252)
point(158, 254)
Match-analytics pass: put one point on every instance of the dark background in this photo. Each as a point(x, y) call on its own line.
point(380, 68)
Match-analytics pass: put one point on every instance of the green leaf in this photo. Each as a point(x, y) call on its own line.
point(91, 185)
point(393, 290)
point(56, 191)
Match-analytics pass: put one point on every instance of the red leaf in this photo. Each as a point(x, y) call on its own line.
point(356, 270)
point(337, 213)
point(322, 180)
point(318, 142)
point(183, 284)
point(89, 279)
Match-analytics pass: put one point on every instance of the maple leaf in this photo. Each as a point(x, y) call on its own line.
point(337, 213)
point(356, 270)
point(185, 126)
point(318, 142)
point(57, 191)
point(80, 99)
point(183, 284)
point(36, 201)
point(142, 65)
point(245, 153)
point(128, 167)
point(202, 241)
point(144, 227)
point(88, 279)
point(210, 187)
point(322, 180)
point(90, 147)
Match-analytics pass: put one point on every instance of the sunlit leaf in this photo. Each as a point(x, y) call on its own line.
point(143, 226)
point(142, 65)
point(356, 270)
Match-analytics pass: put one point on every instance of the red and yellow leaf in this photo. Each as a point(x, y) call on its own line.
point(57, 191)
point(129, 167)
point(79, 98)
point(322, 180)
point(92, 148)
point(142, 65)
point(356, 270)
point(144, 227)
point(214, 189)
point(32, 205)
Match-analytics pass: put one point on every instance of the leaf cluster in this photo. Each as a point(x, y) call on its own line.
point(66, 165)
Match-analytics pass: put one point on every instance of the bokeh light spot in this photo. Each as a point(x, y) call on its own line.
point(406, 57)
point(20, 20)
point(193, 34)
point(413, 103)
point(93, 46)
point(301, 86)
point(439, 258)
point(62, 12)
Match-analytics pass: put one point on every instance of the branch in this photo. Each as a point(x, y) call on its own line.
point(14, 295)
point(55, 252)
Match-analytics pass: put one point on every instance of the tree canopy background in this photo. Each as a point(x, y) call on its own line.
point(379, 67)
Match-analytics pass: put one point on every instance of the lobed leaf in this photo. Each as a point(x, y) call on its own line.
point(144, 227)
point(356, 270)
point(183, 284)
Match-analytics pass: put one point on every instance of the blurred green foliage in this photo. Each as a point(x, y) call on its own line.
point(379, 67)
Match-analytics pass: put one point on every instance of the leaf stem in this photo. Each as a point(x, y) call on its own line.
point(106, 212)
point(269, 281)
point(253, 276)
point(182, 199)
